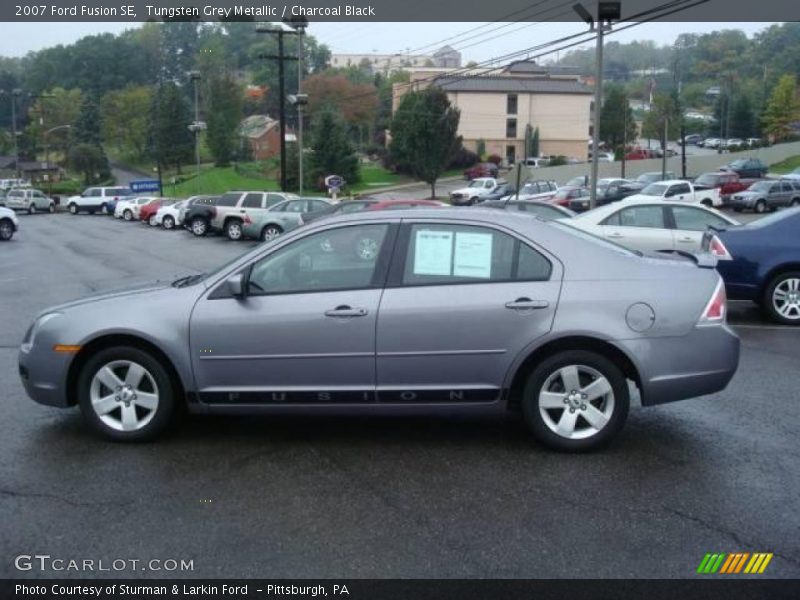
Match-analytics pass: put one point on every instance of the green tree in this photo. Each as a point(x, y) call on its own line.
point(125, 118)
point(169, 139)
point(89, 160)
point(88, 126)
point(742, 123)
point(424, 135)
point(783, 108)
point(616, 117)
point(665, 107)
point(224, 113)
point(533, 150)
point(332, 152)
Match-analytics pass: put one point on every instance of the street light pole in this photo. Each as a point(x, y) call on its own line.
point(196, 128)
point(47, 154)
point(300, 50)
point(16, 93)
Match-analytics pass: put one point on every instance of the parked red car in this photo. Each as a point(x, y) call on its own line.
point(399, 204)
point(481, 170)
point(726, 182)
point(640, 154)
point(150, 209)
point(564, 195)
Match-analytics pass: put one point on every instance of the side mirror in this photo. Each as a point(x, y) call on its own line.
point(236, 285)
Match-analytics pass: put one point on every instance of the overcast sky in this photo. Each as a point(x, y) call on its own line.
point(18, 39)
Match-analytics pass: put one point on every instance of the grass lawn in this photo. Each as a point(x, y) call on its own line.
point(217, 180)
point(375, 176)
point(785, 166)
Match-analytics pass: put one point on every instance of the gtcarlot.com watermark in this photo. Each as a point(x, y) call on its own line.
point(45, 563)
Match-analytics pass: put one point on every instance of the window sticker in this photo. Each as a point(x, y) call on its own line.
point(434, 253)
point(473, 255)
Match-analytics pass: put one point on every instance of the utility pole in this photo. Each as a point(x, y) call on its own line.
point(197, 126)
point(624, 134)
point(15, 93)
point(281, 58)
point(664, 149)
point(606, 12)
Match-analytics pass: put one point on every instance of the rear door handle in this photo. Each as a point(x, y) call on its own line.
point(527, 304)
point(687, 240)
point(615, 235)
point(346, 311)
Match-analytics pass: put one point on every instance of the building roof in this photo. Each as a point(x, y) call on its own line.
point(6, 162)
point(446, 50)
point(256, 126)
point(36, 165)
point(526, 85)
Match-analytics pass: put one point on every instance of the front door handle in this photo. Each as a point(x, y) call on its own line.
point(346, 311)
point(527, 304)
point(615, 235)
point(686, 240)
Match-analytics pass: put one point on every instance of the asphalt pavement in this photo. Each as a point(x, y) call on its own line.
point(310, 497)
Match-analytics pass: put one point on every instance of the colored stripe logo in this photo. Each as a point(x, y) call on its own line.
point(734, 563)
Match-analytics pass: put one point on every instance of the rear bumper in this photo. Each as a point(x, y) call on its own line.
point(700, 363)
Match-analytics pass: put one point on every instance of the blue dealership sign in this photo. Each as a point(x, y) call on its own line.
point(145, 185)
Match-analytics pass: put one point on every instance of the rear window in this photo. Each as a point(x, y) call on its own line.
point(589, 237)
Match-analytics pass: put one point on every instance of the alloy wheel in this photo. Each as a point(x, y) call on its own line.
point(31, 208)
point(199, 227)
point(168, 222)
point(234, 231)
point(6, 231)
point(760, 207)
point(270, 233)
point(576, 402)
point(73, 209)
point(786, 298)
point(127, 215)
point(124, 395)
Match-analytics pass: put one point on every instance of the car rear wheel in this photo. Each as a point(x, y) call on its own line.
point(795, 202)
point(6, 230)
point(51, 208)
point(707, 203)
point(199, 226)
point(782, 298)
point(103, 209)
point(760, 207)
point(125, 394)
point(73, 209)
point(127, 215)
point(31, 208)
point(168, 222)
point(575, 401)
point(233, 229)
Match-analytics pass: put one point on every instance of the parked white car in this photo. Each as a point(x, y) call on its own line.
point(678, 190)
point(97, 199)
point(477, 189)
point(9, 223)
point(652, 225)
point(169, 216)
point(29, 200)
point(128, 209)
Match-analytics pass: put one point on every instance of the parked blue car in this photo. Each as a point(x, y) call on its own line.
point(764, 263)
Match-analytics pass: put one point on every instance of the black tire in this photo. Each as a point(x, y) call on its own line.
point(168, 222)
point(73, 209)
point(166, 389)
point(768, 304)
point(760, 207)
point(199, 226)
point(233, 230)
point(127, 214)
point(103, 209)
point(737, 209)
point(52, 208)
point(31, 208)
point(270, 232)
point(549, 368)
point(707, 203)
point(795, 202)
point(6, 230)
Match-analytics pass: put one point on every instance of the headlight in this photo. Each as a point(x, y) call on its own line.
point(36, 326)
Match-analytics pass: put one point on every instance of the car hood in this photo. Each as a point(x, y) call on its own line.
point(749, 194)
point(119, 294)
point(466, 190)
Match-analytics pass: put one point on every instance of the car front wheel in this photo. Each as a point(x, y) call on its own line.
point(51, 208)
point(127, 215)
point(760, 207)
point(782, 298)
point(125, 394)
point(168, 222)
point(31, 208)
point(233, 230)
point(152, 221)
point(575, 401)
point(270, 232)
point(6, 230)
point(199, 226)
point(73, 209)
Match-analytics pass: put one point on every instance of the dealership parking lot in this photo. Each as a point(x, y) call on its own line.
point(293, 497)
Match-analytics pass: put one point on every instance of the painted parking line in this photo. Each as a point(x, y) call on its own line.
point(768, 327)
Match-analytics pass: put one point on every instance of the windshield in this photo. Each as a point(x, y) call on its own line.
point(648, 178)
point(737, 163)
point(761, 186)
point(707, 179)
point(654, 189)
point(600, 241)
point(562, 194)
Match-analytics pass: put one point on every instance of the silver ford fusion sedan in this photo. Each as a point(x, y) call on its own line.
point(398, 312)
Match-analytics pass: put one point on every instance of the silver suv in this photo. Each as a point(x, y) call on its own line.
point(475, 311)
point(29, 200)
point(231, 208)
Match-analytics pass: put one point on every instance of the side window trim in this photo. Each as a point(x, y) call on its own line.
point(398, 264)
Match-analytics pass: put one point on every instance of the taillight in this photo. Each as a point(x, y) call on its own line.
point(717, 306)
point(718, 249)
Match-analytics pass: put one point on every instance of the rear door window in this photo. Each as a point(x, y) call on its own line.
point(252, 201)
point(638, 216)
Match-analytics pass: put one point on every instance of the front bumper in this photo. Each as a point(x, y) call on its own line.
point(676, 368)
point(44, 374)
point(736, 201)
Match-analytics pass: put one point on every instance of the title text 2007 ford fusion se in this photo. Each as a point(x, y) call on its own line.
point(457, 311)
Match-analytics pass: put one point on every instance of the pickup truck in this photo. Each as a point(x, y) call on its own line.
point(474, 192)
point(726, 182)
point(678, 190)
